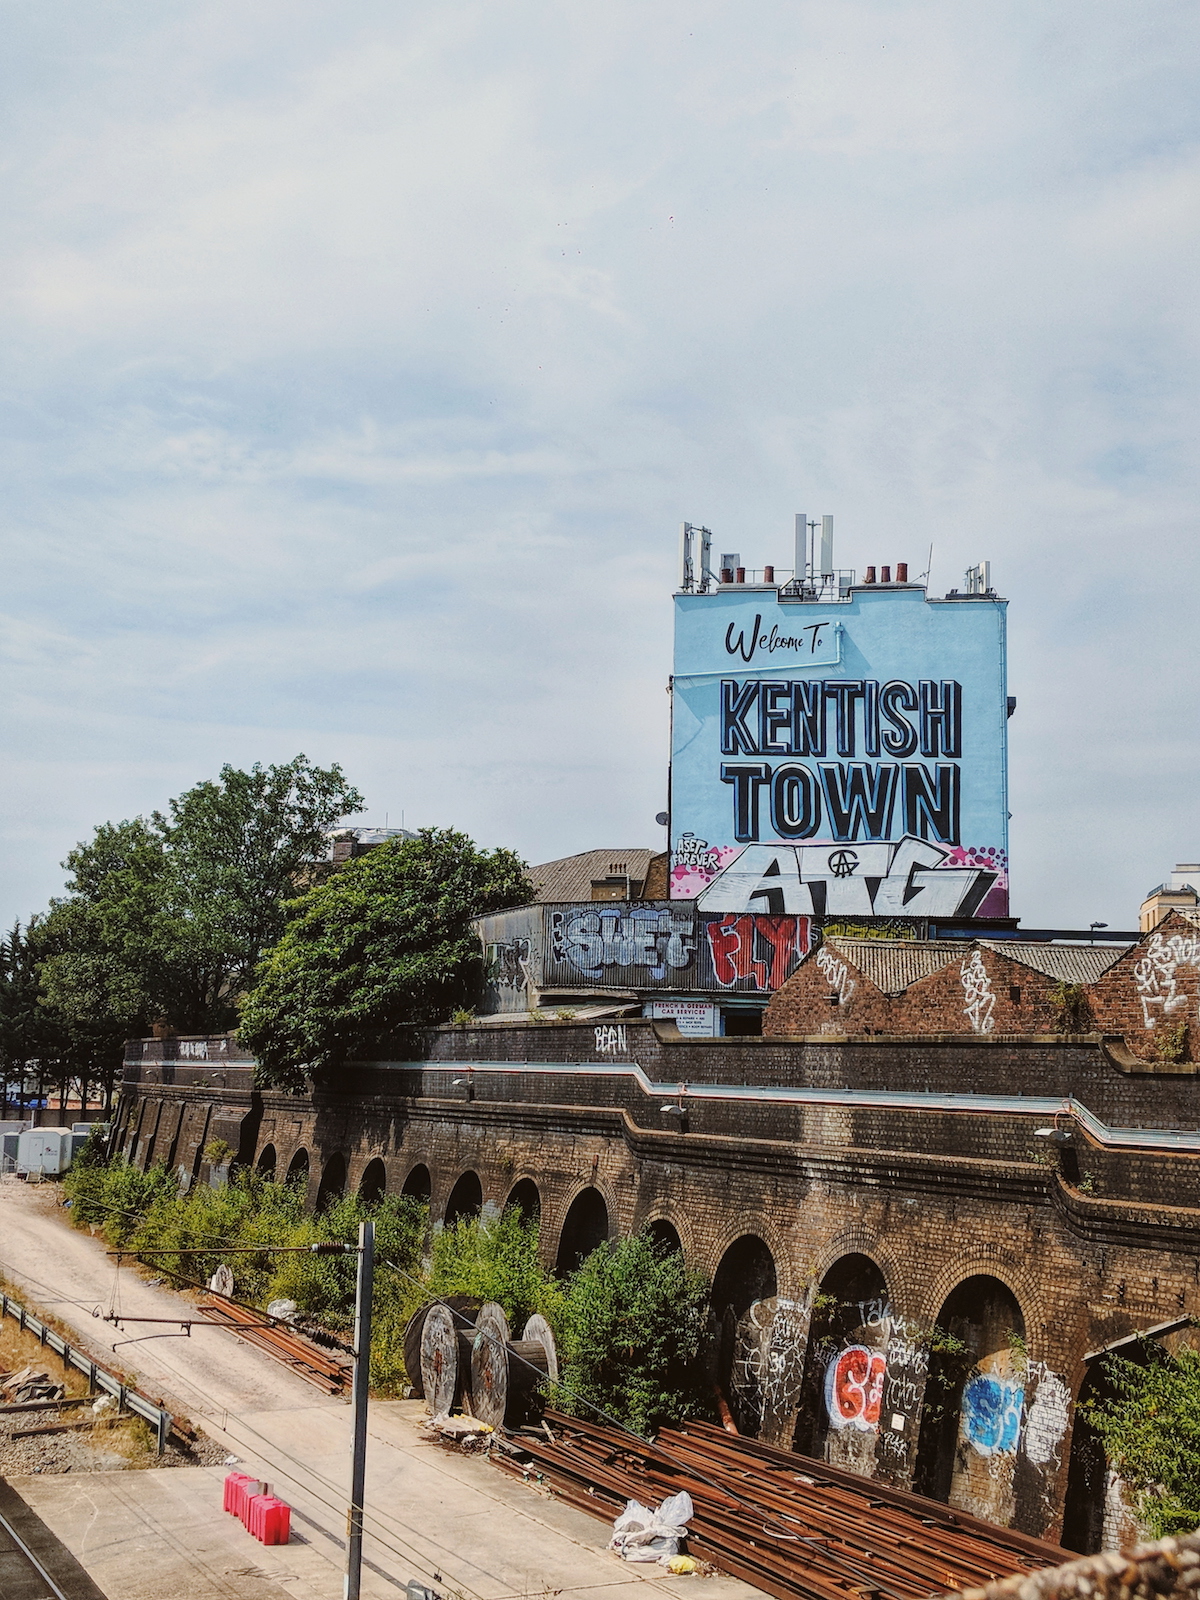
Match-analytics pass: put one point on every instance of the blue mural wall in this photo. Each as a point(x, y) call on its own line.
point(840, 758)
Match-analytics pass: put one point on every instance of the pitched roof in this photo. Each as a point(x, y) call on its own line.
point(1065, 963)
point(571, 877)
point(893, 965)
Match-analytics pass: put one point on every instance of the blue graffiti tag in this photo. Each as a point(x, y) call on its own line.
point(991, 1411)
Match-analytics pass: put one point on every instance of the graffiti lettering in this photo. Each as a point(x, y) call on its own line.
point(1156, 974)
point(854, 1388)
point(912, 877)
point(764, 950)
point(508, 964)
point(193, 1049)
point(977, 987)
point(991, 1412)
point(1046, 1419)
point(646, 936)
point(611, 1039)
point(836, 974)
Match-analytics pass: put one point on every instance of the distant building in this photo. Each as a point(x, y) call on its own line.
point(597, 875)
point(1181, 892)
point(346, 843)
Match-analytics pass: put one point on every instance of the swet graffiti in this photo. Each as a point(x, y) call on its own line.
point(611, 1039)
point(837, 974)
point(991, 1413)
point(854, 1388)
point(912, 877)
point(1046, 1417)
point(650, 937)
point(978, 992)
point(1156, 974)
point(761, 950)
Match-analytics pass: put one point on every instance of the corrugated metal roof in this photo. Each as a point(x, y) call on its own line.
point(571, 877)
point(1065, 963)
point(894, 965)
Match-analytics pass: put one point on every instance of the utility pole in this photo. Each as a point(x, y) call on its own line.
point(358, 1403)
point(362, 1383)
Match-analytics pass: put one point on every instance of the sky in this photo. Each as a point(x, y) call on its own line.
point(361, 361)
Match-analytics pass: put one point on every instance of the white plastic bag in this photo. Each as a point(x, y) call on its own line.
point(643, 1535)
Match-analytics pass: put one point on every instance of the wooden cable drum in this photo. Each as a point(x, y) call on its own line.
point(439, 1360)
point(505, 1375)
point(467, 1306)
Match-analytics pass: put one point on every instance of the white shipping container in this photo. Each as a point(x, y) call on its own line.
point(44, 1150)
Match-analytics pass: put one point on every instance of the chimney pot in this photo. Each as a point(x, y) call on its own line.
point(726, 574)
point(870, 577)
point(768, 574)
point(740, 575)
point(902, 572)
point(885, 574)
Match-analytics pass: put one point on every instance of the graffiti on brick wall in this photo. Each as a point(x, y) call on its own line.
point(1046, 1417)
point(854, 1388)
point(979, 996)
point(894, 928)
point(1156, 974)
point(768, 1363)
point(656, 939)
point(836, 974)
point(992, 1408)
point(756, 951)
point(611, 1039)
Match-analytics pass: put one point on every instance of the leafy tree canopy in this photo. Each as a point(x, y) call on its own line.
point(166, 917)
point(383, 944)
point(1150, 1428)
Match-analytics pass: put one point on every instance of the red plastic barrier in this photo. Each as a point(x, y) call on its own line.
point(235, 1489)
point(270, 1519)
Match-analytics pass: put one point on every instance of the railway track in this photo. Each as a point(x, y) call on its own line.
point(305, 1359)
point(796, 1528)
point(33, 1564)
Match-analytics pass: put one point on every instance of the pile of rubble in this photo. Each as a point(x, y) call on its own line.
point(29, 1384)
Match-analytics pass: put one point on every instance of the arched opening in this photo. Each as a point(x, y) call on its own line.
point(297, 1171)
point(1087, 1476)
point(584, 1229)
point(466, 1199)
point(974, 1398)
point(526, 1199)
point(418, 1185)
point(333, 1181)
point(372, 1185)
point(664, 1236)
point(267, 1162)
point(745, 1277)
point(845, 1366)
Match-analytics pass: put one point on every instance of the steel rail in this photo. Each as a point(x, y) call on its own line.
point(59, 1594)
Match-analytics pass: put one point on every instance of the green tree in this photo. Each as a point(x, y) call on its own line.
point(384, 944)
point(632, 1327)
point(1150, 1428)
point(166, 917)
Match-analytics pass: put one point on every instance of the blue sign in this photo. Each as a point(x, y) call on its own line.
point(840, 756)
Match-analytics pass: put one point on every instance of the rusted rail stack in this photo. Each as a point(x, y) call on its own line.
point(796, 1528)
point(268, 1334)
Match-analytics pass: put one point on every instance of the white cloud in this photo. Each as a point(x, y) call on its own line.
point(363, 363)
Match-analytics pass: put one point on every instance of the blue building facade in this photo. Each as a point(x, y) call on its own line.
point(839, 749)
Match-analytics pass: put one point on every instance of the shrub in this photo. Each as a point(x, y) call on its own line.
point(1150, 1429)
point(496, 1259)
point(632, 1327)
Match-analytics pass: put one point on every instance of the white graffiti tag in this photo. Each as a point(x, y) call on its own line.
point(837, 975)
point(611, 1039)
point(1155, 974)
point(977, 987)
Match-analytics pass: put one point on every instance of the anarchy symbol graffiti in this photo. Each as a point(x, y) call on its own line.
point(842, 863)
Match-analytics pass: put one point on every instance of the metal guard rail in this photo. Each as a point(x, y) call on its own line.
point(99, 1377)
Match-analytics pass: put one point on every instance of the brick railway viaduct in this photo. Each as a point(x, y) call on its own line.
point(916, 1243)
